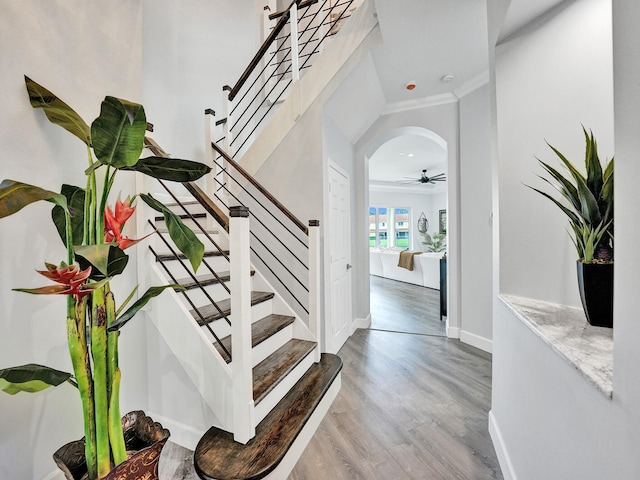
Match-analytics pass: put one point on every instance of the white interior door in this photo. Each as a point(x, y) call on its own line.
point(340, 308)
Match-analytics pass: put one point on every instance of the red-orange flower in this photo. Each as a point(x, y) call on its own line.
point(114, 223)
point(71, 280)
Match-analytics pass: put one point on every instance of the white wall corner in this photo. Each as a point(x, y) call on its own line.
point(501, 449)
point(184, 435)
point(452, 332)
point(477, 341)
point(360, 323)
point(473, 84)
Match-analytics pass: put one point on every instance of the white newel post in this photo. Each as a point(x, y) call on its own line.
point(241, 364)
point(209, 123)
point(295, 48)
point(226, 116)
point(314, 284)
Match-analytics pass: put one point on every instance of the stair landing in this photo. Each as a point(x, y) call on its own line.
point(219, 457)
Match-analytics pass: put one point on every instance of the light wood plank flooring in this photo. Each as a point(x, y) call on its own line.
point(412, 405)
point(404, 307)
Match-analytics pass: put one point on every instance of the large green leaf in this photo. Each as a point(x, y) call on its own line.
point(106, 260)
point(17, 195)
point(567, 189)
point(182, 236)
point(57, 111)
point(172, 169)
point(75, 200)
point(118, 133)
point(30, 378)
point(141, 302)
point(573, 218)
point(592, 163)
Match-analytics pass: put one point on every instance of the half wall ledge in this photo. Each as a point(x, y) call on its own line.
point(565, 329)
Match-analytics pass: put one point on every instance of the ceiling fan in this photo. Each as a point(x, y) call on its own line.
point(440, 177)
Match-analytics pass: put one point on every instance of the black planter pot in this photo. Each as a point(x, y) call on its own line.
point(595, 281)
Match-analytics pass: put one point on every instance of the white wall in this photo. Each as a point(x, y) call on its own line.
point(553, 77)
point(81, 51)
point(476, 256)
point(548, 421)
point(191, 49)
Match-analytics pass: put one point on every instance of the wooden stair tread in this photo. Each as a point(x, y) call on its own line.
point(217, 456)
point(269, 372)
point(183, 216)
point(260, 331)
point(167, 257)
point(205, 280)
point(211, 313)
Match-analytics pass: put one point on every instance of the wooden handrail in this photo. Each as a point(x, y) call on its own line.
point(208, 204)
point(303, 4)
point(261, 189)
point(262, 51)
point(192, 188)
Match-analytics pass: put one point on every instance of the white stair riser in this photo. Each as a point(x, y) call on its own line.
point(221, 242)
point(191, 223)
point(271, 400)
point(271, 344)
point(220, 327)
point(218, 263)
point(216, 291)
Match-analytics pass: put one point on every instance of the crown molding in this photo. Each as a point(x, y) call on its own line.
point(395, 188)
point(473, 84)
point(424, 102)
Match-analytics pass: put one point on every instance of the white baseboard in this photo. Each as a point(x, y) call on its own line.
point(501, 449)
point(453, 332)
point(57, 475)
point(476, 341)
point(361, 323)
point(184, 435)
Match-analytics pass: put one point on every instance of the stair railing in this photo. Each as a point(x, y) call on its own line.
point(295, 40)
point(279, 241)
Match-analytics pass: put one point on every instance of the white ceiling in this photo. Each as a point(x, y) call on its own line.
point(403, 158)
point(423, 40)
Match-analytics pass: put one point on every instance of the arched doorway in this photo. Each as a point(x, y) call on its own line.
point(407, 183)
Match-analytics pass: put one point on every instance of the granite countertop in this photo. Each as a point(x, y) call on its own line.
point(587, 348)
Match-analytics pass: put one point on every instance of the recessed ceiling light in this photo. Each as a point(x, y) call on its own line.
point(410, 155)
point(401, 154)
point(448, 78)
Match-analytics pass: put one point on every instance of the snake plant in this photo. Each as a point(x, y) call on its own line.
point(587, 201)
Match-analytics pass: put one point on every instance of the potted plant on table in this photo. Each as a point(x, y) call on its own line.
point(587, 201)
point(92, 233)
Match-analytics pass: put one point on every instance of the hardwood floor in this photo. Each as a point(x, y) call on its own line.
point(403, 307)
point(412, 405)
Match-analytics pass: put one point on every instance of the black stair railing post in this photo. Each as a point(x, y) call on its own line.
point(315, 285)
point(241, 365)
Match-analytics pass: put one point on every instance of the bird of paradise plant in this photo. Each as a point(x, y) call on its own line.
point(92, 232)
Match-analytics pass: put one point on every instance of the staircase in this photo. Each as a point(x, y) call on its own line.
point(255, 361)
point(246, 326)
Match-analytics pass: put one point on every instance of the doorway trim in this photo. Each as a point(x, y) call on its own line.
point(453, 214)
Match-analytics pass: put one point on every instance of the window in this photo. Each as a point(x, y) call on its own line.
point(389, 227)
